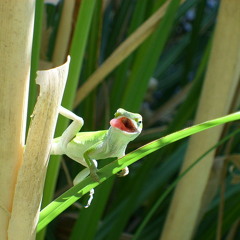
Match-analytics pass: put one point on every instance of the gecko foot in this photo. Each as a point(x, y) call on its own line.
point(91, 193)
point(124, 172)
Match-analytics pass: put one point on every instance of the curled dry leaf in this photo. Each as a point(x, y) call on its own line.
point(31, 177)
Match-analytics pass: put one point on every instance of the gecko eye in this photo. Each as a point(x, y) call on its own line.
point(139, 122)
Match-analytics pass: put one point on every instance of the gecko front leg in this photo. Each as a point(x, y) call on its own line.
point(72, 129)
point(92, 165)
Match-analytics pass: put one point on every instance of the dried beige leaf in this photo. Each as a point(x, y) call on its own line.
point(30, 180)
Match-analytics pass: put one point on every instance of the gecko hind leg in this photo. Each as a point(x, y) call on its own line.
point(81, 176)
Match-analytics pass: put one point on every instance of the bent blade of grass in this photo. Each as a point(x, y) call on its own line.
point(171, 187)
point(76, 192)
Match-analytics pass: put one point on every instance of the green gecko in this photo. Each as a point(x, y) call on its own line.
point(87, 147)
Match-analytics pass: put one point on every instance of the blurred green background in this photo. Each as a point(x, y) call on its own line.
point(158, 74)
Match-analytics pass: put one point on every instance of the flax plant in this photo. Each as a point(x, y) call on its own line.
point(16, 20)
point(156, 57)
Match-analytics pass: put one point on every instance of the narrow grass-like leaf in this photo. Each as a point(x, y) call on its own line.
point(146, 60)
point(194, 42)
point(187, 108)
point(72, 195)
point(171, 187)
point(127, 47)
point(120, 75)
point(118, 26)
point(77, 50)
point(88, 107)
point(63, 34)
point(35, 56)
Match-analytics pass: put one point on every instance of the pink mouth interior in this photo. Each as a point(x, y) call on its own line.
point(123, 124)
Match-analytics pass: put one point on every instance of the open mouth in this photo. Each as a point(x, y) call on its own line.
point(123, 124)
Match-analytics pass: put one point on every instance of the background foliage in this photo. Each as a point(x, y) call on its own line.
point(161, 79)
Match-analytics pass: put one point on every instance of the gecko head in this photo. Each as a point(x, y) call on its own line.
point(130, 124)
